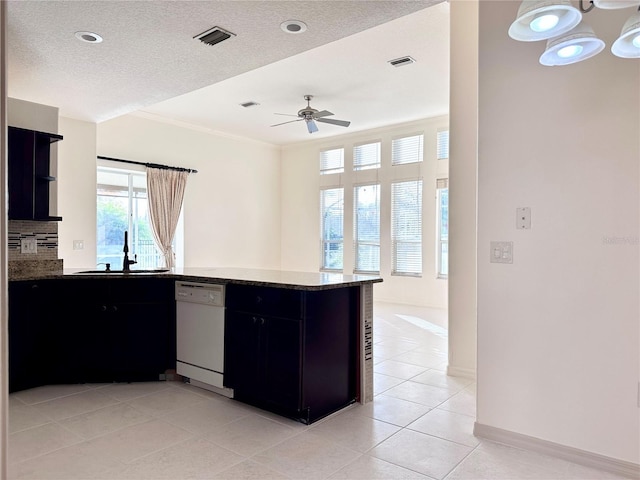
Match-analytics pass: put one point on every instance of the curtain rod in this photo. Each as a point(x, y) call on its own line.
point(152, 165)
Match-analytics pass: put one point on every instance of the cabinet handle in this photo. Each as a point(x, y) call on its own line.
point(254, 319)
point(262, 321)
point(114, 308)
point(103, 308)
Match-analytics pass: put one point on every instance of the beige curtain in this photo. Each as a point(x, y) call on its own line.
point(165, 191)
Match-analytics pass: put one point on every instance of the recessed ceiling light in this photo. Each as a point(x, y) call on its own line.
point(293, 26)
point(88, 37)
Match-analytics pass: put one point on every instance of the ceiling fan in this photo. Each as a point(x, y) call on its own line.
point(311, 116)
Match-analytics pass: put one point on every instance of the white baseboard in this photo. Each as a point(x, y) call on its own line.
point(461, 372)
point(575, 455)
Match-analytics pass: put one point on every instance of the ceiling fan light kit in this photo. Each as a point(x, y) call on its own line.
point(569, 38)
point(311, 116)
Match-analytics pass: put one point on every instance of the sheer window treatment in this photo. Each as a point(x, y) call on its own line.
point(165, 192)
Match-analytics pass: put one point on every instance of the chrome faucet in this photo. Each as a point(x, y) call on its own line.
point(126, 262)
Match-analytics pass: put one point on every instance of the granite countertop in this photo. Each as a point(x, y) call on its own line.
point(247, 276)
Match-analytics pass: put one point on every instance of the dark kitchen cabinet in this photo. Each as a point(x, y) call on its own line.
point(120, 329)
point(264, 362)
point(293, 352)
point(29, 174)
point(30, 330)
point(80, 330)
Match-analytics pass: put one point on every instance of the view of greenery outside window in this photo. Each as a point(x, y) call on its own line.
point(407, 149)
point(332, 221)
point(366, 156)
point(443, 227)
point(366, 219)
point(406, 228)
point(122, 205)
point(332, 161)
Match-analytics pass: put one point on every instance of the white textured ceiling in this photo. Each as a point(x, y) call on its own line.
point(150, 63)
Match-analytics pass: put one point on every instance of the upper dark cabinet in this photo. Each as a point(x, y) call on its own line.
point(30, 174)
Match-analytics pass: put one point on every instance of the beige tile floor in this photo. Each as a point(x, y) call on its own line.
point(418, 427)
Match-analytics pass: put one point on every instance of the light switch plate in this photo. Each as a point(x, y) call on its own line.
point(523, 218)
point(501, 252)
point(28, 245)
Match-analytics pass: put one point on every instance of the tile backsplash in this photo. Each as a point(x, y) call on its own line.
point(45, 233)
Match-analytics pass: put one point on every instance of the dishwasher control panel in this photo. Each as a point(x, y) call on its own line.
point(205, 293)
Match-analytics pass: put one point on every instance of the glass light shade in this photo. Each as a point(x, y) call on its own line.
point(615, 4)
point(628, 44)
point(574, 46)
point(535, 18)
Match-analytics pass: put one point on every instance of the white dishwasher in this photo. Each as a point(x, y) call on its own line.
point(200, 335)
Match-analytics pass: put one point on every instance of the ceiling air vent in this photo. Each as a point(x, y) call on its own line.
point(399, 62)
point(214, 35)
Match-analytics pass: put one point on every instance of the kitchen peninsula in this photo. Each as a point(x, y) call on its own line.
point(296, 343)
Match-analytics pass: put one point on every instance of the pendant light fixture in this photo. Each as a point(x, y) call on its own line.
point(569, 38)
point(543, 19)
point(628, 43)
point(574, 46)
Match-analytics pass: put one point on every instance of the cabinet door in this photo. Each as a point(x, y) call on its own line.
point(83, 340)
point(241, 352)
point(141, 341)
point(280, 341)
point(21, 173)
point(30, 329)
point(263, 360)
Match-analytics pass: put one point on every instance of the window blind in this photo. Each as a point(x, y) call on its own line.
point(406, 228)
point(366, 156)
point(332, 221)
point(443, 144)
point(407, 150)
point(442, 188)
point(332, 161)
point(366, 219)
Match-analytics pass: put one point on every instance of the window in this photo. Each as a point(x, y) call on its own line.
point(407, 150)
point(366, 156)
point(366, 219)
point(122, 205)
point(332, 215)
point(443, 145)
point(406, 228)
point(442, 215)
point(332, 161)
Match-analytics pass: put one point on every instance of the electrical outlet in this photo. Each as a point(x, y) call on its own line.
point(78, 244)
point(501, 252)
point(28, 245)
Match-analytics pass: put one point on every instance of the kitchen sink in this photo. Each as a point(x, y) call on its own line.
point(107, 272)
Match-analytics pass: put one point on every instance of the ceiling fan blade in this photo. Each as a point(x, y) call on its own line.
point(323, 113)
point(290, 121)
point(286, 114)
point(311, 126)
point(342, 123)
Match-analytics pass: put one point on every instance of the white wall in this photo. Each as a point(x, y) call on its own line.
point(463, 174)
point(558, 330)
point(301, 206)
point(77, 192)
point(231, 206)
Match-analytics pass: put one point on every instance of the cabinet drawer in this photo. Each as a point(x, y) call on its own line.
point(277, 302)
